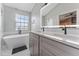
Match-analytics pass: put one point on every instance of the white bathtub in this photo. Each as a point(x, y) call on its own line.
point(14, 41)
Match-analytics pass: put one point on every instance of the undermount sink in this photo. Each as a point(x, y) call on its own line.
point(54, 34)
point(65, 37)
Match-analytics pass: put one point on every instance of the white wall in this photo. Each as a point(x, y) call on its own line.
point(9, 23)
point(0, 29)
point(35, 17)
point(0, 20)
point(60, 9)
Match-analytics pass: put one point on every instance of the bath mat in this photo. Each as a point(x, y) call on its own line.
point(18, 49)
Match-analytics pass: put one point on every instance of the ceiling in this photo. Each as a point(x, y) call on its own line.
point(46, 9)
point(22, 6)
point(28, 7)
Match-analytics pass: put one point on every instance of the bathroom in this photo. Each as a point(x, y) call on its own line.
point(15, 31)
point(39, 29)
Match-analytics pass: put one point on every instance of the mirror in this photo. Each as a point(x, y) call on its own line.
point(46, 22)
point(57, 17)
point(68, 18)
point(44, 11)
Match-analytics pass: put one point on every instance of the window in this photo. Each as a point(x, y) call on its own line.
point(22, 22)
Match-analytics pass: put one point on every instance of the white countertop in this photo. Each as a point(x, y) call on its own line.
point(66, 39)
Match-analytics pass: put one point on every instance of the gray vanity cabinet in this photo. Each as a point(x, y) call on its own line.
point(44, 46)
point(56, 48)
point(33, 44)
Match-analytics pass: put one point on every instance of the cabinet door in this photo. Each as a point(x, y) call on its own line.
point(68, 50)
point(56, 48)
point(35, 47)
point(33, 44)
point(44, 48)
point(45, 52)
